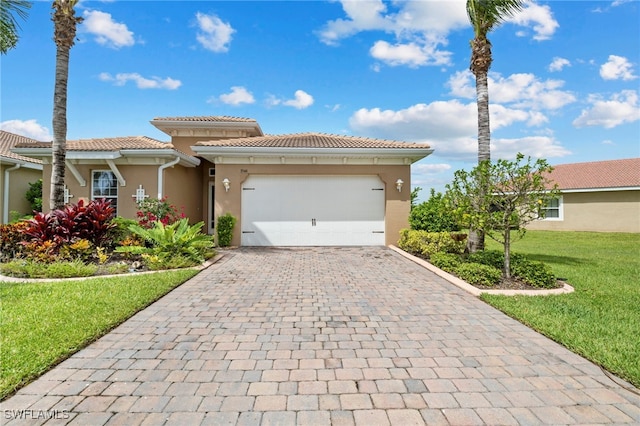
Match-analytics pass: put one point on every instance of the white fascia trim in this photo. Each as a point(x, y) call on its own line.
point(412, 153)
point(620, 188)
point(116, 172)
point(22, 163)
point(185, 160)
point(82, 181)
point(32, 152)
point(199, 125)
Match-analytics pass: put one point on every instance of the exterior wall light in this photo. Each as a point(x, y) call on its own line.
point(227, 184)
point(399, 183)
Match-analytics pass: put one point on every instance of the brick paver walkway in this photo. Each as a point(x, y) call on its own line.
point(322, 336)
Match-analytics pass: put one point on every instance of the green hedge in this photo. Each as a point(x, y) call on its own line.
point(425, 243)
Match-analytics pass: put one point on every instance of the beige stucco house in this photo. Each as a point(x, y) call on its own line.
point(16, 172)
point(308, 189)
point(601, 196)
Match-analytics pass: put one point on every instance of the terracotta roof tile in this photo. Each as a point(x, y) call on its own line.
point(9, 140)
point(598, 174)
point(309, 140)
point(213, 118)
point(106, 144)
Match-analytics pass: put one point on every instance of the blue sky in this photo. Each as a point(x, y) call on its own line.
point(563, 85)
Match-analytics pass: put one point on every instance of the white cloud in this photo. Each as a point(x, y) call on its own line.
point(450, 127)
point(412, 54)
point(558, 64)
point(520, 90)
point(301, 100)
point(419, 28)
point(617, 68)
point(540, 17)
point(106, 31)
point(121, 79)
point(214, 34)
point(238, 95)
point(28, 128)
point(620, 109)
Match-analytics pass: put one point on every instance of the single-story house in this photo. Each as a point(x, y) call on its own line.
point(307, 189)
point(600, 196)
point(16, 173)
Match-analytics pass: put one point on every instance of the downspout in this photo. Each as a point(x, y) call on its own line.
point(160, 175)
point(5, 195)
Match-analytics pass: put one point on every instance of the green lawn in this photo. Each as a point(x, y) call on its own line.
point(601, 319)
point(42, 324)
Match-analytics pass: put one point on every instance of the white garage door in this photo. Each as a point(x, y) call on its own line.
point(313, 211)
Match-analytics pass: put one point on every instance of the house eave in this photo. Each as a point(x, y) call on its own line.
point(185, 160)
point(290, 155)
point(610, 189)
point(22, 163)
point(87, 157)
point(208, 129)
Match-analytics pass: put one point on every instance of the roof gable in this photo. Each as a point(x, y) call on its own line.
point(10, 140)
point(598, 174)
point(216, 126)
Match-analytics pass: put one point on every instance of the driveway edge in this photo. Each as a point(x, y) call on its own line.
point(475, 290)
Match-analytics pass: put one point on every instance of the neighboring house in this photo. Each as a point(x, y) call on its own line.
point(601, 196)
point(16, 172)
point(306, 189)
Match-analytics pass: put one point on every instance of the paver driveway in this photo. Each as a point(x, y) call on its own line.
point(323, 336)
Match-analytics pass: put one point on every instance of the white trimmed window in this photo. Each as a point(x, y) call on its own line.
point(553, 210)
point(104, 184)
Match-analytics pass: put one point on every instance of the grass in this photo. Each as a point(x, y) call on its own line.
point(41, 324)
point(601, 319)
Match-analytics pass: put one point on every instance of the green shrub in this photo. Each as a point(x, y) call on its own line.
point(534, 273)
point(445, 261)
point(433, 215)
point(478, 274)
point(425, 243)
point(31, 269)
point(493, 258)
point(34, 196)
point(226, 223)
point(156, 263)
point(166, 241)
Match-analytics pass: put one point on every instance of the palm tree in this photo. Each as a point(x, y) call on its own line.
point(64, 34)
point(484, 16)
point(8, 24)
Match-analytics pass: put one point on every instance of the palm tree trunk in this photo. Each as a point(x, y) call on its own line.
point(484, 127)
point(59, 147)
point(476, 236)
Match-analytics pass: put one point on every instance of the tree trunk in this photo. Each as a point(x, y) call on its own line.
point(484, 127)
point(507, 253)
point(59, 146)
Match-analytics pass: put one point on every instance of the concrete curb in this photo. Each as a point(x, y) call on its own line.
point(205, 265)
point(478, 291)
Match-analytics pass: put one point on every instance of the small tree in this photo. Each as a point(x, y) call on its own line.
point(517, 194)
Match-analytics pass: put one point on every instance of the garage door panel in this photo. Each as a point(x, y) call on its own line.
point(313, 210)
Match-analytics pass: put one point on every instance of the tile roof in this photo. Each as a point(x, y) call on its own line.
point(106, 144)
point(310, 140)
point(9, 140)
point(213, 118)
point(598, 174)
